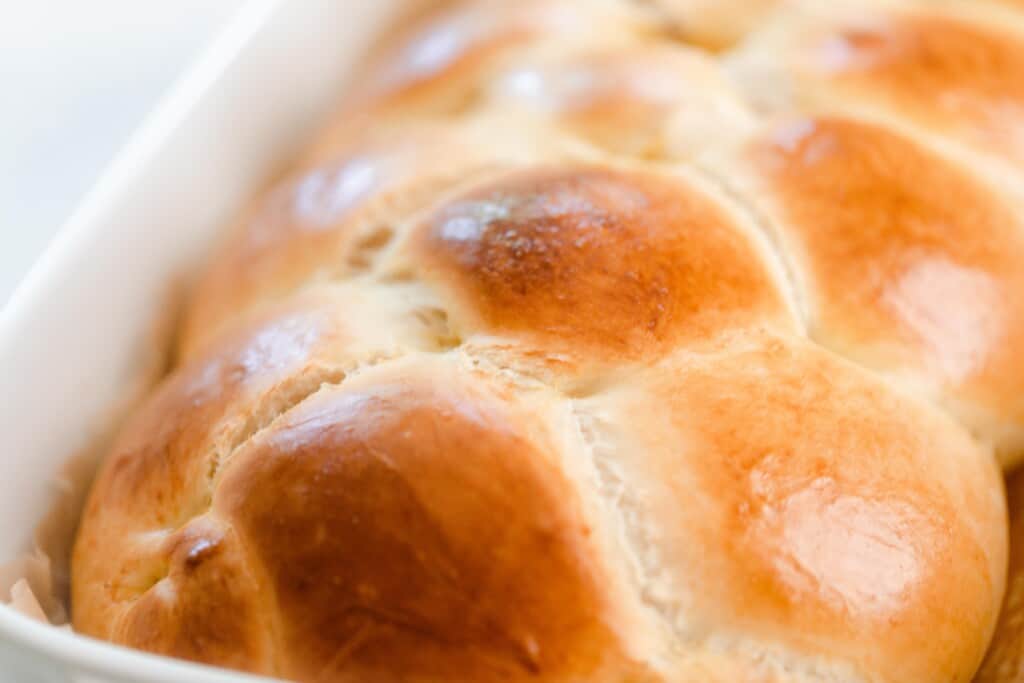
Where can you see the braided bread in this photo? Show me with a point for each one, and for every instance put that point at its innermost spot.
(603, 340)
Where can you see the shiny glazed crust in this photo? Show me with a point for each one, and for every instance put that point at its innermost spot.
(568, 351)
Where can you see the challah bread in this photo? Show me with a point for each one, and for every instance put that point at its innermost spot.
(559, 357)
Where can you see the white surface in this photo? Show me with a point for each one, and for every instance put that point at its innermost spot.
(76, 78)
(72, 337)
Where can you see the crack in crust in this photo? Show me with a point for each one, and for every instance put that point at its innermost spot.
(796, 290)
(616, 495)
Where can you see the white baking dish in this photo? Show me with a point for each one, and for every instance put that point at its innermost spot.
(77, 336)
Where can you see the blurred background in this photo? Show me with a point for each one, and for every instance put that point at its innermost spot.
(76, 78)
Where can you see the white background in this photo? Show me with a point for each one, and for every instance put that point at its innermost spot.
(76, 78)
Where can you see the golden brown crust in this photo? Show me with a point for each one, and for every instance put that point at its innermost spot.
(940, 71)
(784, 492)
(159, 475)
(910, 264)
(588, 261)
(438, 64)
(284, 569)
(413, 528)
(332, 219)
(519, 373)
(206, 608)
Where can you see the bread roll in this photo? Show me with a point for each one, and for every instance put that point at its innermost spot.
(564, 352)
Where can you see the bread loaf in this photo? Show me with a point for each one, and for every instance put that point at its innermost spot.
(570, 351)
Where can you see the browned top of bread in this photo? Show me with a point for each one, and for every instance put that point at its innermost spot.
(959, 74)
(565, 354)
(591, 262)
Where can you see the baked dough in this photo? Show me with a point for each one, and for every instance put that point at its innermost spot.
(568, 351)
